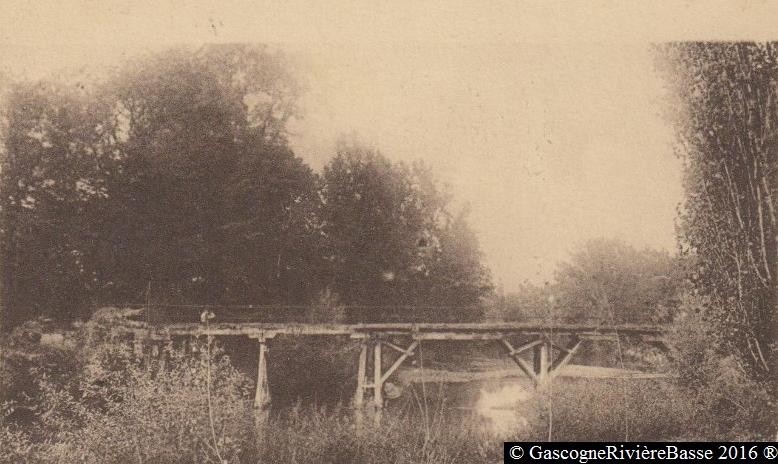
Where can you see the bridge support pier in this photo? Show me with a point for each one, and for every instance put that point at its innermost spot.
(262, 393)
(544, 366)
(371, 343)
(137, 345)
(540, 364)
(359, 395)
(378, 382)
(167, 349)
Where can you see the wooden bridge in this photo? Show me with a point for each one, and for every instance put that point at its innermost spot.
(538, 349)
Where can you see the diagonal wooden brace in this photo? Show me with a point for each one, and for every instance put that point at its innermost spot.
(514, 353)
(399, 349)
(405, 354)
(565, 357)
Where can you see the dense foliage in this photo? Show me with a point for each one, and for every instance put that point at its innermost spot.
(726, 118)
(172, 179)
(726, 124)
(393, 238)
(605, 280)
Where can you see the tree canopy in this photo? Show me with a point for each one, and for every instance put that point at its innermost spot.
(173, 180)
(393, 239)
(608, 281)
(726, 119)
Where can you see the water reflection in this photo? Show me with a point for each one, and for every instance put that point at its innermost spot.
(501, 404)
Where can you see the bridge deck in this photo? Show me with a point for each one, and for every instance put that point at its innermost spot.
(420, 330)
(547, 352)
(133, 320)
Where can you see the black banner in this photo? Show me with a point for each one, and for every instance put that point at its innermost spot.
(583, 452)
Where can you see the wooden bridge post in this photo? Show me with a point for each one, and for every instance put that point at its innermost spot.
(165, 352)
(262, 394)
(540, 354)
(378, 384)
(359, 396)
(137, 345)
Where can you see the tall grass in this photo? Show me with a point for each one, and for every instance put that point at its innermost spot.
(619, 410)
(332, 436)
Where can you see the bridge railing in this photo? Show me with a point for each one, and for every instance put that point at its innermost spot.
(157, 314)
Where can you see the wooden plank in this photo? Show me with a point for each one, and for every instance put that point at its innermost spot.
(403, 357)
(526, 368)
(395, 347)
(167, 349)
(378, 398)
(598, 336)
(137, 346)
(540, 364)
(262, 393)
(536, 357)
(456, 336)
(254, 328)
(560, 348)
(520, 326)
(524, 347)
(359, 397)
(468, 333)
(565, 358)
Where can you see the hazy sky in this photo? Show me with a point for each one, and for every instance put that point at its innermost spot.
(543, 116)
(549, 144)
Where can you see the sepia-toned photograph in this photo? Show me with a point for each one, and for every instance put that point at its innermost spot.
(378, 232)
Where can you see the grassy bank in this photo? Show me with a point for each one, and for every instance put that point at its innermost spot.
(93, 401)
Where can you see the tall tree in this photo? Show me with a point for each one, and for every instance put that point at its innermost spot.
(174, 171)
(203, 173)
(726, 119)
(51, 188)
(393, 240)
(273, 249)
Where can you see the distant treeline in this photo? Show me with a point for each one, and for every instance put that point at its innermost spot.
(606, 281)
(171, 179)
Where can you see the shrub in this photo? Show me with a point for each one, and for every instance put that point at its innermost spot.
(332, 436)
(16, 447)
(736, 406)
(196, 409)
(24, 361)
(618, 410)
